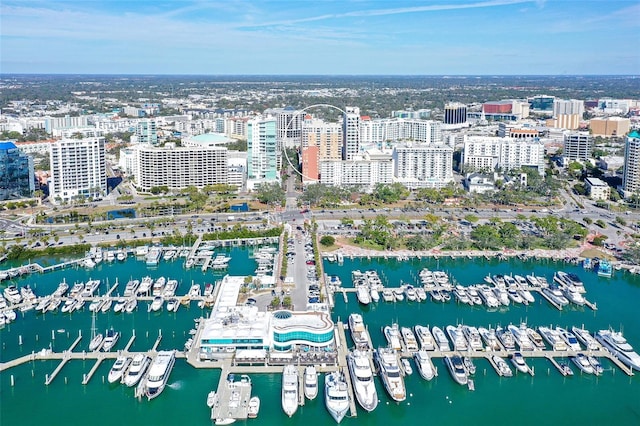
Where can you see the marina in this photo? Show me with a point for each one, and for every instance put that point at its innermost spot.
(372, 314)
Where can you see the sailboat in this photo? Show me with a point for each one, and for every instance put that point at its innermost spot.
(96, 339)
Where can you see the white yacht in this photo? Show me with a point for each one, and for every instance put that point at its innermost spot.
(96, 341)
(490, 338)
(159, 373)
(501, 366)
(336, 395)
(12, 294)
(582, 362)
(90, 288)
(392, 334)
(359, 332)
(289, 390)
(461, 294)
(62, 289)
(131, 288)
(573, 295)
(362, 379)
(441, 340)
(519, 363)
(553, 339)
(118, 369)
(569, 338)
(423, 362)
(387, 361)
(310, 382)
(555, 294)
(363, 294)
(410, 342)
(618, 345)
(110, 339)
(570, 280)
(585, 338)
(457, 338)
(521, 337)
(456, 369)
(158, 286)
(473, 337)
(536, 339)
(131, 305)
(68, 305)
(170, 288)
(425, 338)
(120, 305)
(145, 286)
(387, 295)
(138, 367)
(506, 338)
(156, 304)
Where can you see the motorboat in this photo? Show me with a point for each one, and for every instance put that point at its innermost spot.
(457, 338)
(120, 305)
(211, 399)
(170, 288)
(519, 363)
(472, 335)
(569, 338)
(131, 305)
(106, 305)
(461, 295)
(195, 290)
(556, 295)
(156, 304)
(410, 342)
(436, 296)
(158, 286)
(392, 334)
(421, 294)
(96, 305)
(131, 288)
(456, 369)
(583, 363)
(96, 341)
(90, 287)
(490, 339)
(138, 367)
(398, 294)
(254, 407)
(110, 339)
(410, 293)
(68, 305)
(615, 342)
(289, 390)
(521, 337)
(336, 395)
(424, 365)
(375, 295)
(441, 340)
(406, 366)
(61, 290)
(363, 294)
(159, 373)
(514, 295)
(145, 286)
(12, 294)
(78, 305)
(53, 305)
(573, 295)
(506, 338)
(425, 338)
(118, 369)
(387, 295)
(565, 369)
(310, 382)
(76, 290)
(43, 304)
(569, 279)
(536, 339)
(386, 360)
(474, 296)
(595, 363)
(585, 338)
(359, 332)
(553, 339)
(469, 365)
(501, 366)
(502, 295)
(488, 297)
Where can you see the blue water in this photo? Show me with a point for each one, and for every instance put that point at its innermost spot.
(547, 398)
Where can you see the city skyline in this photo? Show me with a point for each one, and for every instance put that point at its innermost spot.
(501, 37)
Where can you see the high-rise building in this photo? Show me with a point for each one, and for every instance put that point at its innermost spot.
(631, 176)
(262, 152)
(489, 153)
(455, 113)
(541, 104)
(289, 128)
(423, 165)
(66, 122)
(577, 146)
(351, 133)
(78, 169)
(610, 126)
(363, 171)
(320, 141)
(180, 167)
(146, 132)
(567, 114)
(16, 172)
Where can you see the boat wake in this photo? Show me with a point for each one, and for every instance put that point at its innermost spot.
(176, 386)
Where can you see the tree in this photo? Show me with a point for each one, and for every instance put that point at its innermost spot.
(270, 193)
(327, 240)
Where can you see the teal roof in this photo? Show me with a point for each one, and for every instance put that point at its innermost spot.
(635, 134)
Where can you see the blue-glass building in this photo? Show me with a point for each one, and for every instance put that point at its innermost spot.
(16, 172)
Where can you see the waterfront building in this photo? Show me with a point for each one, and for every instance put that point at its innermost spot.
(78, 169)
(423, 165)
(610, 126)
(364, 171)
(631, 176)
(490, 153)
(233, 328)
(16, 172)
(597, 189)
(455, 113)
(262, 152)
(577, 146)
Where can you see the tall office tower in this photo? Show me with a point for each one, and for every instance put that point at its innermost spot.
(16, 172)
(146, 132)
(577, 146)
(455, 113)
(351, 133)
(262, 153)
(289, 128)
(78, 169)
(631, 176)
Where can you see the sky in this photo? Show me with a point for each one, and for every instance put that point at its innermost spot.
(352, 37)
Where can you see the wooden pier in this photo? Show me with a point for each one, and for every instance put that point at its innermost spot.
(66, 357)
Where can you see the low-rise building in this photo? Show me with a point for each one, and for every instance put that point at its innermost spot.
(597, 189)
